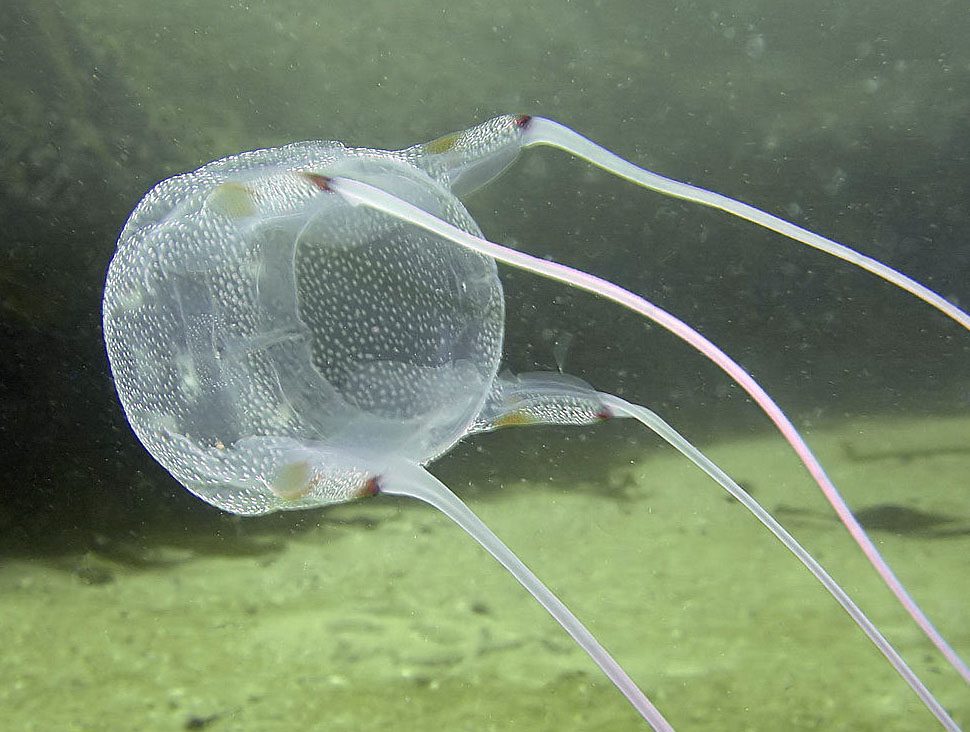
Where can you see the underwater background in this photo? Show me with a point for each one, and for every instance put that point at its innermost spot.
(126, 603)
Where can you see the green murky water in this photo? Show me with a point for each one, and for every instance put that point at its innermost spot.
(127, 605)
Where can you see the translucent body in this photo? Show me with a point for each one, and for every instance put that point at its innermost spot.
(267, 341)
(305, 325)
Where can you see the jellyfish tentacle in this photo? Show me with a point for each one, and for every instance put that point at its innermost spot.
(407, 479)
(552, 398)
(469, 159)
(541, 131)
(648, 418)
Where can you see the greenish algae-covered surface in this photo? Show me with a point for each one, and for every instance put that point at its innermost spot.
(382, 615)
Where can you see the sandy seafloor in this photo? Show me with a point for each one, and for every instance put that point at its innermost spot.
(381, 615)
